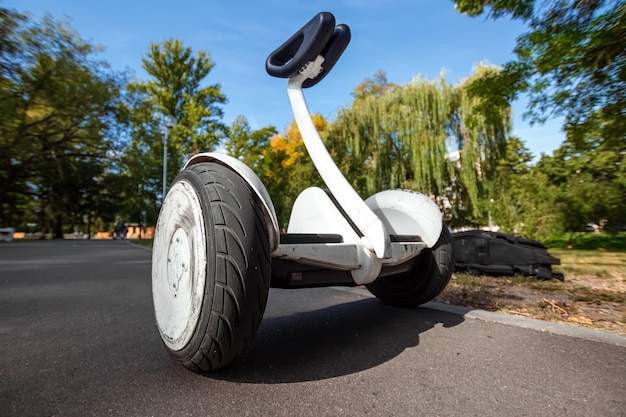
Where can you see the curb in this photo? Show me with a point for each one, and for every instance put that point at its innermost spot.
(512, 320)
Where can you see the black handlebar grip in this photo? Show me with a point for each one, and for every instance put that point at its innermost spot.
(331, 53)
(304, 46)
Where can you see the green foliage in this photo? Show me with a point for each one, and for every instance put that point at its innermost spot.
(248, 145)
(58, 111)
(176, 88)
(521, 9)
(571, 62)
(140, 162)
(588, 182)
(288, 169)
(400, 136)
(280, 161)
(563, 193)
(507, 192)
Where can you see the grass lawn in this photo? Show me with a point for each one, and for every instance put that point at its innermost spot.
(590, 241)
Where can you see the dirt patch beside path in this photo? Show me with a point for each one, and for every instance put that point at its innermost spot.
(585, 300)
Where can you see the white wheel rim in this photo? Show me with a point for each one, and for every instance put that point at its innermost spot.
(179, 258)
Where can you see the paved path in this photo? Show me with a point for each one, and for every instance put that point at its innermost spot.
(77, 338)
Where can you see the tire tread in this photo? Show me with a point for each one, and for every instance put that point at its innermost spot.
(240, 296)
(428, 278)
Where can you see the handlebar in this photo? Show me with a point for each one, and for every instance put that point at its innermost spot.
(319, 36)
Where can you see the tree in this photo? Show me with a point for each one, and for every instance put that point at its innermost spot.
(401, 136)
(517, 199)
(249, 145)
(59, 104)
(589, 180)
(375, 86)
(501, 192)
(571, 62)
(288, 168)
(176, 88)
(140, 162)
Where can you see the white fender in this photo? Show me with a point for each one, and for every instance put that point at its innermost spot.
(405, 212)
(314, 212)
(255, 184)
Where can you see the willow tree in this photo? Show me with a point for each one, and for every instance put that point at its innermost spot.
(403, 136)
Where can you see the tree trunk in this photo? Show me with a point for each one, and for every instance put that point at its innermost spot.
(89, 225)
(58, 227)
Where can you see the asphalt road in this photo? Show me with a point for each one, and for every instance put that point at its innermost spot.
(78, 338)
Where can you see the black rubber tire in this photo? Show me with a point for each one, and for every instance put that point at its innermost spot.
(237, 268)
(429, 276)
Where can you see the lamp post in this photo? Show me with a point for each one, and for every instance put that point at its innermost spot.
(166, 127)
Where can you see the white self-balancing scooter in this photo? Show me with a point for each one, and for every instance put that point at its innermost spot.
(218, 248)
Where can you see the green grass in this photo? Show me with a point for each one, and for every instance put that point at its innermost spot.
(597, 263)
(590, 241)
(143, 242)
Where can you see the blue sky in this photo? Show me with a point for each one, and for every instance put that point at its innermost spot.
(405, 38)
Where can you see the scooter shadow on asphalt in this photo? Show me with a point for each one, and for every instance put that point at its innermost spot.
(333, 341)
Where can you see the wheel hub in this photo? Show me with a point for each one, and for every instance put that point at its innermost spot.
(179, 265)
(178, 260)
